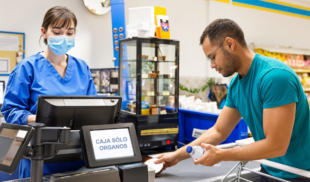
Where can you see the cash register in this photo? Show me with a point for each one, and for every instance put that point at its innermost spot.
(84, 128)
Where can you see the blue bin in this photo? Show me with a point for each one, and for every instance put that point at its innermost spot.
(8, 177)
(188, 120)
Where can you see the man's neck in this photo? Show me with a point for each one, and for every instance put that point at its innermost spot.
(246, 58)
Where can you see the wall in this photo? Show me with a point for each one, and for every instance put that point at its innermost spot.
(186, 25)
(187, 22)
(93, 38)
(263, 27)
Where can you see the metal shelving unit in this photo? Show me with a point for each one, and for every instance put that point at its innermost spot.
(149, 82)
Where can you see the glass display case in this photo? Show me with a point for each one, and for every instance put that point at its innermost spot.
(149, 82)
(105, 80)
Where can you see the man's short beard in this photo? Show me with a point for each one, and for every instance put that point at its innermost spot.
(231, 63)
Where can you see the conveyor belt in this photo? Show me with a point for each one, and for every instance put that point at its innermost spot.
(187, 171)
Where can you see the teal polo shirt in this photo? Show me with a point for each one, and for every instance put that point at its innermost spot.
(270, 83)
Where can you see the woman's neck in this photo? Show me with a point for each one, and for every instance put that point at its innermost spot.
(53, 58)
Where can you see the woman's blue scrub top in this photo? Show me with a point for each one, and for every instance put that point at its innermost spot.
(36, 76)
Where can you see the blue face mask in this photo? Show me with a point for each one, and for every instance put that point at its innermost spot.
(60, 45)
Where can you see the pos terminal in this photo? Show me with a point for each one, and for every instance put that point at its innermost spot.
(109, 150)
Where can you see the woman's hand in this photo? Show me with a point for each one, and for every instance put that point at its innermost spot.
(31, 119)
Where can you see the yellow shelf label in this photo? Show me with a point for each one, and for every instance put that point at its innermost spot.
(160, 131)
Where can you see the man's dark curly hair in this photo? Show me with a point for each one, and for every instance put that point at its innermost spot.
(219, 29)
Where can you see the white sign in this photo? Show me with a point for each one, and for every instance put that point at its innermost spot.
(9, 43)
(21, 134)
(4, 65)
(197, 132)
(112, 143)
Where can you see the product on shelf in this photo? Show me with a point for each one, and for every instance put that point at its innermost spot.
(171, 101)
(153, 109)
(166, 93)
(305, 82)
(150, 93)
(131, 107)
(308, 97)
(153, 75)
(163, 112)
(144, 92)
(145, 105)
(144, 76)
(161, 58)
(145, 57)
(145, 111)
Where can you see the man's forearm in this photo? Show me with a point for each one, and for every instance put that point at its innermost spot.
(210, 136)
(262, 149)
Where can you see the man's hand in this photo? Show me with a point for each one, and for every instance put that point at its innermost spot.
(168, 159)
(210, 157)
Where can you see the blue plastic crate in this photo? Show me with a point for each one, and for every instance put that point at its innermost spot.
(188, 120)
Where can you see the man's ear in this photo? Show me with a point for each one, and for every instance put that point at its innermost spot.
(230, 43)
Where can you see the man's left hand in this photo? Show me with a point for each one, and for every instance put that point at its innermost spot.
(210, 157)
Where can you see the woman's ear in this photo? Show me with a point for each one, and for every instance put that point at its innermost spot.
(44, 33)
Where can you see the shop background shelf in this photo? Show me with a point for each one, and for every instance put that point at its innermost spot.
(301, 70)
(296, 58)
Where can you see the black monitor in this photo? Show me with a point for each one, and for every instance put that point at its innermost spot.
(14, 140)
(77, 111)
(105, 145)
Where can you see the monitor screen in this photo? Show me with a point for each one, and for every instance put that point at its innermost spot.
(10, 140)
(14, 140)
(111, 143)
(77, 111)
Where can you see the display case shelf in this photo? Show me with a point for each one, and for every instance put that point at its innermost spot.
(151, 78)
(143, 60)
(149, 95)
(150, 103)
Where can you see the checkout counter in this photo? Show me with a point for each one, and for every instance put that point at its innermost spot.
(110, 151)
(62, 132)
